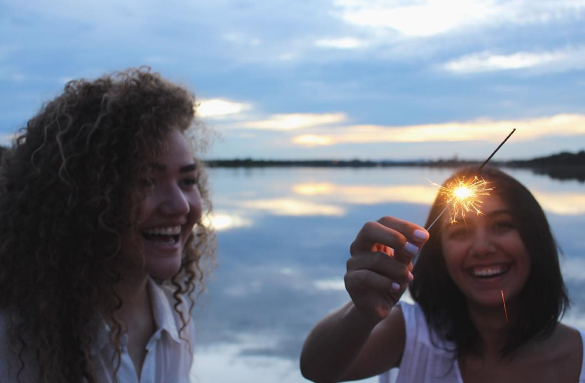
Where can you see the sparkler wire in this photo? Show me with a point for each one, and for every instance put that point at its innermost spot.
(479, 169)
(494, 152)
(476, 174)
(439, 216)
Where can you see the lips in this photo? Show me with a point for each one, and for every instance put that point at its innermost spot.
(489, 271)
(168, 235)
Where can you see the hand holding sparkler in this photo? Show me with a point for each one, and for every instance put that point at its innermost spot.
(378, 271)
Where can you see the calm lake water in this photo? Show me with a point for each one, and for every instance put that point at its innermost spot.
(284, 236)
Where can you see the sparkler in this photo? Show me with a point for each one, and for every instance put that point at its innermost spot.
(504, 302)
(462, 195)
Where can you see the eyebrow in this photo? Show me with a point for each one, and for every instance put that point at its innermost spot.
(499, 212)
(183, 169)
(490, 214)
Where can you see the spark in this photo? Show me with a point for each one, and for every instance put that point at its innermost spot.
(462, 196)
(504, 302)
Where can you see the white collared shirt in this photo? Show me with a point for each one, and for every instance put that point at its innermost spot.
(169, 356)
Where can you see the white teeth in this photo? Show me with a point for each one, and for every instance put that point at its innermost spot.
(173, 230)
(488, 271)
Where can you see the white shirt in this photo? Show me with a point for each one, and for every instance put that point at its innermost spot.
(169, 358)
(426, 361)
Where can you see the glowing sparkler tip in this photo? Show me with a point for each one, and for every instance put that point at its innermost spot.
(462, 192)
(464, 196)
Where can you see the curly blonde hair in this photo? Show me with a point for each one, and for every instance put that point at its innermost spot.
(66, 193)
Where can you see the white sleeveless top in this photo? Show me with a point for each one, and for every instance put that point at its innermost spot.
(430, 361)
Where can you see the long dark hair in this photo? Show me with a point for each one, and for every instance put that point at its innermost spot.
(543, 299)
(66, 194)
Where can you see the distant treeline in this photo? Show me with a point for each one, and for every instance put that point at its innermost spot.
(562, 166)
(564, 159)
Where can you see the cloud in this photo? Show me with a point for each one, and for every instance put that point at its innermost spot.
(311, 140)
(330, 284)
(296, 121)
(553, 61)
(11, 74)
(479, 130)
(421, 18)
(241, 39)
(218, 108)
(431, 17)
(341, 43)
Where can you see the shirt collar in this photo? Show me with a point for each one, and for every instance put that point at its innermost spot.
(165, 318)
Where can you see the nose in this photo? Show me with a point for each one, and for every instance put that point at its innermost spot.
(482, 244)
(174, 201)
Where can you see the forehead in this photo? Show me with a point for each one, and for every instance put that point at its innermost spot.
(176, 150)
(488, 205)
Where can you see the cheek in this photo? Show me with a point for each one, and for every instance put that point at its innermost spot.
(453, 256)
(146, 206)
(195, 205)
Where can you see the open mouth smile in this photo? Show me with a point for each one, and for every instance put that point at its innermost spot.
(487, 272)
(165, 235)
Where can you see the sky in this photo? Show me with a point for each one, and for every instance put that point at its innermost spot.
(341, 79)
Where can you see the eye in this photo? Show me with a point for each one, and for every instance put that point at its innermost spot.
(456, 231)
(189, 182)
(504, 225)
(460, 232)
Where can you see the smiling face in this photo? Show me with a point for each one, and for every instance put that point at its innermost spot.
(169, 209)
(485, 254)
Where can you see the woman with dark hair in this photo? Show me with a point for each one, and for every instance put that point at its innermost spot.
(104, 240)
(456, 330)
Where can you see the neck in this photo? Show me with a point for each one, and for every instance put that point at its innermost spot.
(492, 328)
(133, 292)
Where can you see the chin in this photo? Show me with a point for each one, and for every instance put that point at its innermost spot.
(163, 269)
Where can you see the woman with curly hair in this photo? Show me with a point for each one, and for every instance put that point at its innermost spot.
(456, 331)
(103, 235)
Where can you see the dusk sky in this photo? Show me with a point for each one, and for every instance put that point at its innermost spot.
(342, 79)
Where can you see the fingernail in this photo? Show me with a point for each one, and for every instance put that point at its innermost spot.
(410, 277)
(409, 247)
(395, 286)
(421, 235)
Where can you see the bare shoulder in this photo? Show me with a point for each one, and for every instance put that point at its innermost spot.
(568, 343)
(565, 342)
(563, 353)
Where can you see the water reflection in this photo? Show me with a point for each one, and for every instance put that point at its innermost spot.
(291, 206)
(369, 194)
(226, 221)
(561, 202)
(283, 243)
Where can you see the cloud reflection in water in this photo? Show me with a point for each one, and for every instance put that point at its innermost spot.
(283, 243)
